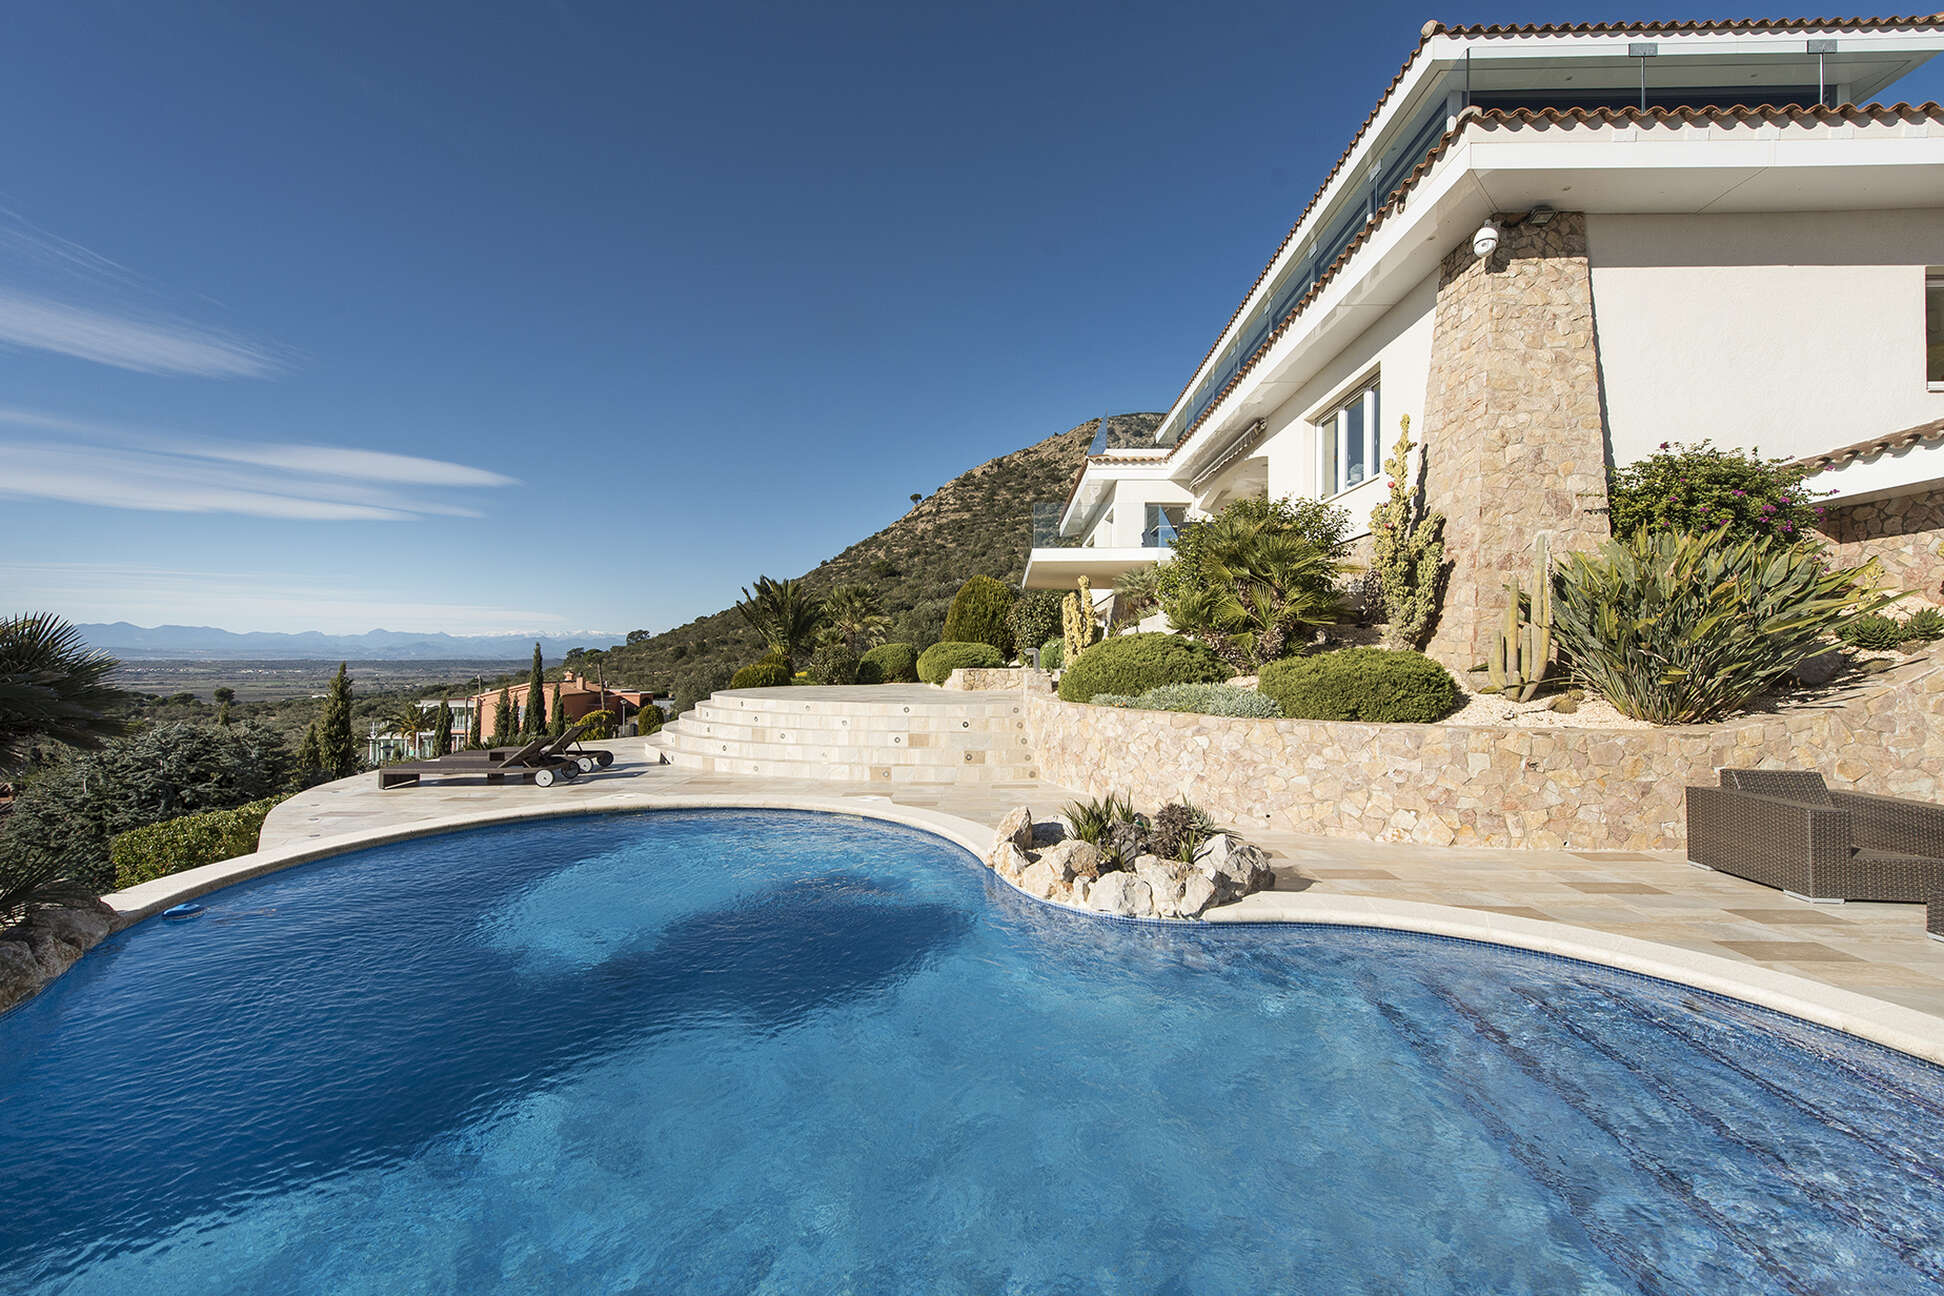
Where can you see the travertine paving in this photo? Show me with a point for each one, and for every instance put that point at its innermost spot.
(1878, 950)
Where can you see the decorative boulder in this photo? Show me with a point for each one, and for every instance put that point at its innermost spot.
(1235, 867)
(1008, 861)
(20, 973)
(1017, 827)
(1122, 895)
(1073, 858)
(1039, 879)
(82, 928)
(1820, 669)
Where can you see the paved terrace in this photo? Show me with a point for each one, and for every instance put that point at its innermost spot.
(1878, 950)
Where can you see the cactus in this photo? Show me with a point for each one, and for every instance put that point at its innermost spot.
(1522, 650)
(1077, 621)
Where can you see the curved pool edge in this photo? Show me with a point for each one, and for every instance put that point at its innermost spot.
(1906, 1030)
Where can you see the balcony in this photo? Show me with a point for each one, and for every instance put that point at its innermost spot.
(1058, 560)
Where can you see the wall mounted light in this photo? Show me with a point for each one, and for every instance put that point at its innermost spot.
(1541, 215)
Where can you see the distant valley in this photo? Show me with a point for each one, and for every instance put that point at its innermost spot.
(207, 643)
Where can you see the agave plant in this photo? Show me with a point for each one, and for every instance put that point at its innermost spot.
(1676, 628)
(53, 688)
(784, 614)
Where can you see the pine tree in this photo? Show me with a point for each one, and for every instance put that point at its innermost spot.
(503, 718)
(559, 725)
(442, 731)
(337, 746)
(223, 696)
(536, 716)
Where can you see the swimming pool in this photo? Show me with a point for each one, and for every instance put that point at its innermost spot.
(734, 1051)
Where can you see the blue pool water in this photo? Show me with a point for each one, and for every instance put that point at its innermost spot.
(787, 1053)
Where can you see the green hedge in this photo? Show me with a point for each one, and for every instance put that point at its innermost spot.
(1375, 685)
(978, 615)
(1135, 663)
(936, 663)
(186, 842)
(762, 674)
(1052, 653)
(889, 663)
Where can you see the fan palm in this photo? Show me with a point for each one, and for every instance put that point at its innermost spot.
(1260, 590)
(784, 614)
(853, 617)
(1136, 593)
(53, 688)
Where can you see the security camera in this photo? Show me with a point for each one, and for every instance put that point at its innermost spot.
(1485, 242)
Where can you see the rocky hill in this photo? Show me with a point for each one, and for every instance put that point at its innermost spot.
(980, 522)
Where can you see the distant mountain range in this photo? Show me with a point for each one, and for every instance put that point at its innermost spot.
(173, 642)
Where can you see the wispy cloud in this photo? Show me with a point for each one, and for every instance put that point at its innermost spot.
(161, 347)
(123, 468)
(253, 600)
(61, 297)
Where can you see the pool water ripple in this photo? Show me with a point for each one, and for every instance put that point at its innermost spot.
(741, 1051)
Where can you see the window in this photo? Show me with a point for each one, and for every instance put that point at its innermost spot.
(1163, 525)
(1934, 331)
(1348, 446)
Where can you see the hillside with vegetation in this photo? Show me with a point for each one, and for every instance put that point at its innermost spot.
(979, 523)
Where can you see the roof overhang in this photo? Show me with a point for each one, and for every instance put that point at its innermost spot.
(1881, 467)
(1060, 568)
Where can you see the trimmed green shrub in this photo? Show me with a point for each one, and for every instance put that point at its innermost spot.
(1052, 654)
(1033, 619)
(649, 719)
(1208, 699)
(833, 663)
(936, 663)
(1138, 662)
(767, 673)
(1679, 629)
(978, 615)
(889, 663)
(1875, 632)
(186, 842)
(1374, 685)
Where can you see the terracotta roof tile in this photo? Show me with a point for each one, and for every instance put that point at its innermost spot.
(1931, 431)
(1693, 27)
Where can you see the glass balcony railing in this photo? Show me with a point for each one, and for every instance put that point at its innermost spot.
(1046, 526)
(1161, 536)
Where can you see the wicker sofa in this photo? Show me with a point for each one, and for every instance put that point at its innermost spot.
(1787, 829)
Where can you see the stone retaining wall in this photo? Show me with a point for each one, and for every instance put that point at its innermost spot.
(1586, 789)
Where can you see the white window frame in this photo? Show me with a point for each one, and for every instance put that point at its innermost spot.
(1933, 283)
(1333, 439)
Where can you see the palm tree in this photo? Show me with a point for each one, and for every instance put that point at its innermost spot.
(409, 720)
(1137, 592)
(53, 688)
(1260, 589)
(784, 614)
(854, 617)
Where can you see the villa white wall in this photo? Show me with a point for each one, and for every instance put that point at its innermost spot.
(1397, 350)
(1796, 332)
(1131, 498)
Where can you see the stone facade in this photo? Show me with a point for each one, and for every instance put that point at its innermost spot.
(1514, 426)
(1584, 789)
(975, 679)
(1904, 533)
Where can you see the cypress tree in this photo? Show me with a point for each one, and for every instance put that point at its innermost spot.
(310, 754)
(559, 725)
(503, 718)
(442, 732)
(337, 746)
(474, 719)
(536, 716)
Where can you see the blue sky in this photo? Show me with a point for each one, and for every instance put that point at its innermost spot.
(575, 316)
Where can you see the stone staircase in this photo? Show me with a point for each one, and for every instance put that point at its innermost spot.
(890, 734)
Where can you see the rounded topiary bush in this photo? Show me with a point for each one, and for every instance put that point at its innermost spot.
(1135, 663)
(936, 663)
(1052, 654)
(1376, 685)
(978, 615)
(834, 663)
(762, 674)
(889, 663)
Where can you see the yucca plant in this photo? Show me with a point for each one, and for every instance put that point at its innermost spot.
(1677, 628)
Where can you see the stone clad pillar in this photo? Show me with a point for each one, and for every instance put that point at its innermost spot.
(1514, 424)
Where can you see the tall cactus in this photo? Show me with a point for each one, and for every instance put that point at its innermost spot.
(1522, 650)
(1077, 621)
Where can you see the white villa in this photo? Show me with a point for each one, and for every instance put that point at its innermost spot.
(1555, 248)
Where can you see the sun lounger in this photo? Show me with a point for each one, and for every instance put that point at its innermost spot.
(528, 762)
